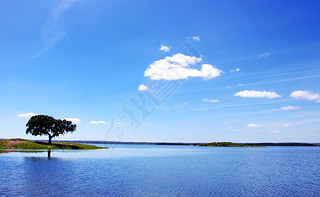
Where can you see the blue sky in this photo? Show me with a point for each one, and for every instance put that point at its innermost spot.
(253, 74)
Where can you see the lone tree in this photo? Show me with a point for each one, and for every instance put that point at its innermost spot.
(47, 125)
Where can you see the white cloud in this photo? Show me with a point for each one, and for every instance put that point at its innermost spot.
(285, 108)
(74, 120)
(178, 67)
(285, 124)
(143, 88)
(274, 131)
(210, 100)
(257, 94)
(233, 129)
(253, 125)
(196, 38)
(98, 122)
(165, 48)
(264, 55)
(305, 94)
(26, 115)
(235, 70)
(290, 107)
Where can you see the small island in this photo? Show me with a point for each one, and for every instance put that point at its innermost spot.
(229, 144)
(46, 125)
(26, 144)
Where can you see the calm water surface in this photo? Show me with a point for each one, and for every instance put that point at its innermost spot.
(137, 170)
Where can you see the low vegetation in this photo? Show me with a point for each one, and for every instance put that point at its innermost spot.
(228, 144)
(26, 144)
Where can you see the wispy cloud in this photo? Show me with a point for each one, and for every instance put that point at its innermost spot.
(210, 100)
(235, 70)
(307, 95)
(196, 38)
(290, 107)
(143, 88)
(257, 94)
(285, 108)
(74, 120)
(238, 105)
(98, 122)
(286, 76)
(26, 115)
(49, 44)
(165, 48)
(118, 124)
(178, 67)
(253, 125)
(51, 32)
(264, 55)
(283, 80)
(285, 124)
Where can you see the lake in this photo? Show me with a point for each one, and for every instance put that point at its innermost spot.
(148, 170)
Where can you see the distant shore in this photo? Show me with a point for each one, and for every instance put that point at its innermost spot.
(82, 144)
(228, 144)
(194, 144)
(189, 144)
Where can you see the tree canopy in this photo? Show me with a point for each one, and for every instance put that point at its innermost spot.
(47, 125)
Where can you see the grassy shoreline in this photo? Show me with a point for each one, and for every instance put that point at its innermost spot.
(27, 144)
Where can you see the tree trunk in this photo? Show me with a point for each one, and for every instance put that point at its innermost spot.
(50, 137)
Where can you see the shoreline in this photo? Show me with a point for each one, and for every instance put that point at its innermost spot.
(174, 143)
(12, 144)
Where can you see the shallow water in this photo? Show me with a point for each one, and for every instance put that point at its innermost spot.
(146, 170)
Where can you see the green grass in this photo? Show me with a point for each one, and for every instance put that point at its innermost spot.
(26, 144)
(227, 144)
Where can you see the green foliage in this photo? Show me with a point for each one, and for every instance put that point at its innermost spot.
(226, 144)
(24, 144)
(47, 125)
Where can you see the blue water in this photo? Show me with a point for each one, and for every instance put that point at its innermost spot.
(136, 170)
